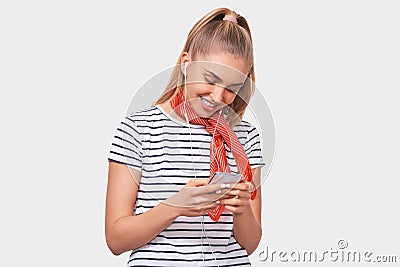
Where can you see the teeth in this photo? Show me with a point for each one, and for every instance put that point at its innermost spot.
(207, 103)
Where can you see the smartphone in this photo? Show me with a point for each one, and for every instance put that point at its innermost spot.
(225, 178)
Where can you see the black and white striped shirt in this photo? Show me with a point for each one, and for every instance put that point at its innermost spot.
(169, 153)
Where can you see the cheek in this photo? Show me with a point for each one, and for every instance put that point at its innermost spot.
(229, 97)
(195, 89)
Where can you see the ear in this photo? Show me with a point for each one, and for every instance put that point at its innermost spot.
(184, 59)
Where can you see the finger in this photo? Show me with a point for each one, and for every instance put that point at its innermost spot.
(225, 196)
(197, 182)
(206, 208)
(234, 202)
(210, 188)
(187, 198)
(245, 186)
(222, 192)
(206, 198)
(234, 209)
(239, 193)
(248, 186)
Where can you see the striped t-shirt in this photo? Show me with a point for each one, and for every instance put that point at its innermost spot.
(169, 153)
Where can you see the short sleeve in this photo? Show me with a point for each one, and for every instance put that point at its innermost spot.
(253, 148)
(126, 147)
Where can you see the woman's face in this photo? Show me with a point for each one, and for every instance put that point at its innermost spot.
(214, 81)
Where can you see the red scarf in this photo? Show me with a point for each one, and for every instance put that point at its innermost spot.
(220, 132)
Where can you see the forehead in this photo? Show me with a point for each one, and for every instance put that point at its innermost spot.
(225, 66)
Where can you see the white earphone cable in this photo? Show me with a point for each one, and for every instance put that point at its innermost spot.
(194, 168)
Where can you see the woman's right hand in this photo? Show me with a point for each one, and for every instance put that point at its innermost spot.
(197, 197)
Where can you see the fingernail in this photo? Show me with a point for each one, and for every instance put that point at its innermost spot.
(225, 186)
(218, 202)
(218, 191)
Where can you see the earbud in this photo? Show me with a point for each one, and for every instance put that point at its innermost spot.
(185, 69)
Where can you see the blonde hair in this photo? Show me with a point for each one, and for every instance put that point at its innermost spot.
(212, 33)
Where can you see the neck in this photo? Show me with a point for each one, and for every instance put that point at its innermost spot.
(167, 108)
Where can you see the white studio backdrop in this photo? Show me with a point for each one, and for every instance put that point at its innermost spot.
(328, 69)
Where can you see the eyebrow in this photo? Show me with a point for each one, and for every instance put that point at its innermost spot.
(220, 80)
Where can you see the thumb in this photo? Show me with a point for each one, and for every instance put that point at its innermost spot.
(197, 182)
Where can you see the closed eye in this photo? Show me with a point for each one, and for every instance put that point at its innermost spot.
(234, 89)
(210, 82)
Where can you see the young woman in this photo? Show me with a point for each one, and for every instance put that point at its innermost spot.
(160, 203)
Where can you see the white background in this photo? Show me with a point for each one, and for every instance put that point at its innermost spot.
(68, 71)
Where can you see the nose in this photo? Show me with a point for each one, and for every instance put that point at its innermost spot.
(218, 94)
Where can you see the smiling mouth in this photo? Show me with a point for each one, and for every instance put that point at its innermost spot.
(208, 103)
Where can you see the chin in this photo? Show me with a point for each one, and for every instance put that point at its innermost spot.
(202, 113)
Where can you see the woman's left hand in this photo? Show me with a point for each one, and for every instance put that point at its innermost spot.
(237, 198)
